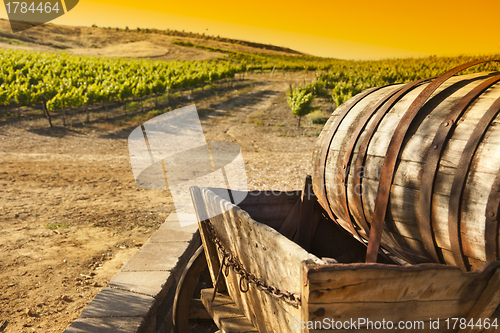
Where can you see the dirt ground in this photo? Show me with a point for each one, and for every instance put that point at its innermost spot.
(71, 214)
(109, 42)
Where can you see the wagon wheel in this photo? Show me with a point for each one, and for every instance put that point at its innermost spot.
(185, 306)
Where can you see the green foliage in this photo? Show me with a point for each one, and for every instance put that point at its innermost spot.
(317, 117)
(72, 81)
(343, 91)
(54, 226)
(154, 113)
(349, 77)
(300, 100)
(64, 80)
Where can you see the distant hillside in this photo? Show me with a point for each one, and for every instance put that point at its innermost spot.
(137, 43)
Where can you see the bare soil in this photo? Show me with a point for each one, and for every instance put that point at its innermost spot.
(109, 42)
(71, 213)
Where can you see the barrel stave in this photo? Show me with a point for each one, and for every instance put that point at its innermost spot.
(401, 231)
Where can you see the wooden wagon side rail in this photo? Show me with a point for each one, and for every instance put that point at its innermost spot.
(421, 293)
(255, 246)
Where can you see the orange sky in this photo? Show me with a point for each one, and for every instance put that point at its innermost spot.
(344, 29)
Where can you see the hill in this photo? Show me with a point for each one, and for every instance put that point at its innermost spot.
(115, 42)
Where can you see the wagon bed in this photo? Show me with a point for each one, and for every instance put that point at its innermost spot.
(329, 292)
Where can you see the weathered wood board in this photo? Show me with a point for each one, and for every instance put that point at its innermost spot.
(226, 314)
(421, 293)
(264, 252)
(337, 292)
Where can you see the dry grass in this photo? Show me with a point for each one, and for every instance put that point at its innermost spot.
(95, 41)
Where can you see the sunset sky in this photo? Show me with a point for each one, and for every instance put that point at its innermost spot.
(344, 29)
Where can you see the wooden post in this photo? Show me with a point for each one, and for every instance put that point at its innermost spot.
(308, 216)
(210, 249)
(64, 109)
(301, 223)
(87, 104)
(106, 109)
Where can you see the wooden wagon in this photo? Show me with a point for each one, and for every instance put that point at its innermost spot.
(285, 262)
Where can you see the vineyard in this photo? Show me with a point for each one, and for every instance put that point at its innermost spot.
(67, 81)
(60, 81)
(346, 78)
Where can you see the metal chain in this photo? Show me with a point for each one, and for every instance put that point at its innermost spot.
(247, 278)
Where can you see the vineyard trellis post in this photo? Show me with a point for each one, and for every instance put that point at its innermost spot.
(63, 107)
(45, 110)
(272, 72)
(87, 103)
(87, 99)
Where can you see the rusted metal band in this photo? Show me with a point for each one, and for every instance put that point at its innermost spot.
(393, 151)
(323, 194)
(363, 148)
(458, 186)
(431, 166)
(343, 174)
(491, 227)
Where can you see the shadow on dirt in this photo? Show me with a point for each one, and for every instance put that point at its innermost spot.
(55, 131)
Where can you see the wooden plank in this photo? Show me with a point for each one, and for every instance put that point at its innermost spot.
(308, 216)
(380, 292)
(225, 313)
(317, 325)
(289, 227)
(409, 172)
(365, 283)
(268, 207)
(391, 311)
(441, 328)
(487, 302)
(237, 325)
(495, 318)
(358, 112)
(265, 253)
(403, 218)
(209, 246)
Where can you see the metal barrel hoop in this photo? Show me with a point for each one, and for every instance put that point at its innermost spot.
(431, 166)
(344, 173)
(393, 152)
(322, 193)
(363, 148)
(492, 221)
(460, 180)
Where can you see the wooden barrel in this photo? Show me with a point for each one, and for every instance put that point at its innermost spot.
(414, 168)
